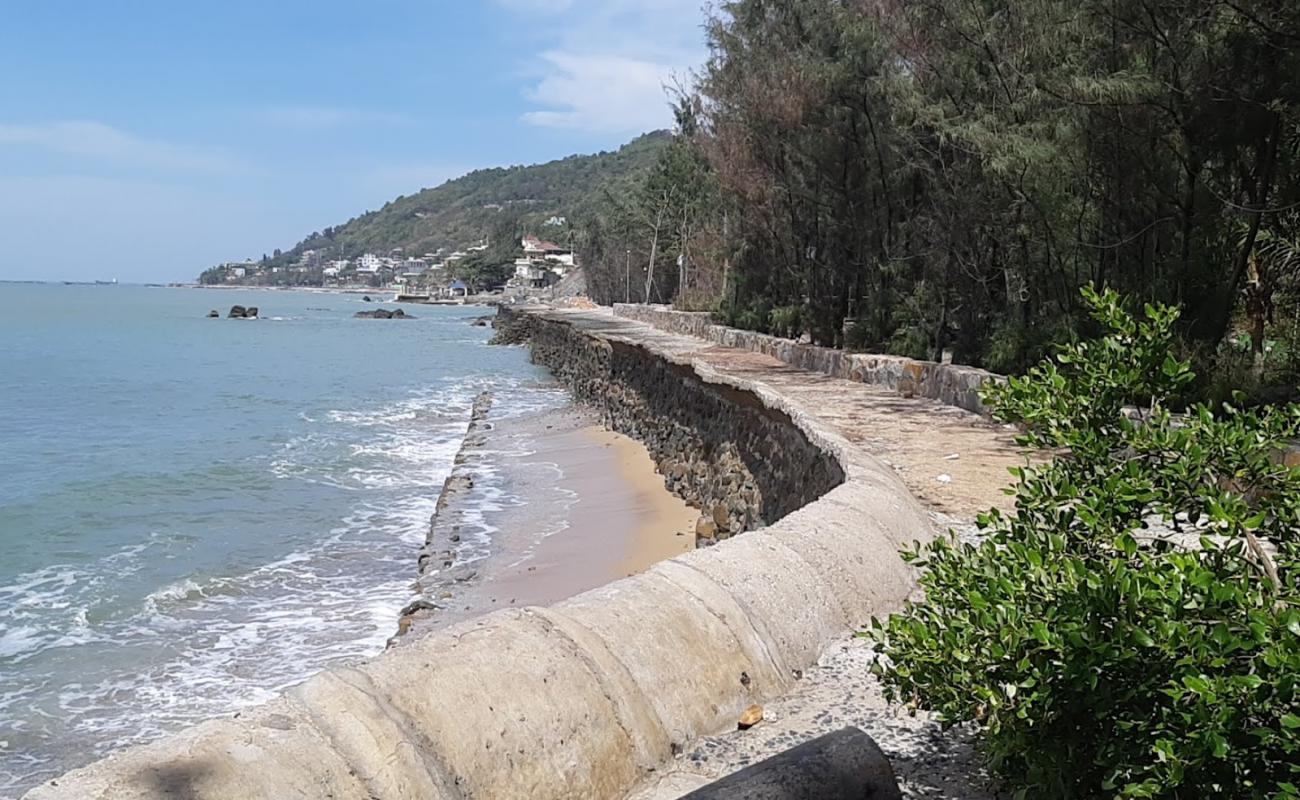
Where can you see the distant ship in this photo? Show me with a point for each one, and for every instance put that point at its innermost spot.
(106, 283)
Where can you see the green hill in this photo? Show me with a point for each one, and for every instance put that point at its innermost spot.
(485, 203)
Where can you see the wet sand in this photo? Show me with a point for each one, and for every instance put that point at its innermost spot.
(587, 507)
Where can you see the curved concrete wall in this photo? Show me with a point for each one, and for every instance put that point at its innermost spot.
(580, 700)
(950, 384)
(741, 462)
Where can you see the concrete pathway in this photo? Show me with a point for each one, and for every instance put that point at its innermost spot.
(955, 462)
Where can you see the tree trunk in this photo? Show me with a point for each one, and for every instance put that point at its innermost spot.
(654, 254)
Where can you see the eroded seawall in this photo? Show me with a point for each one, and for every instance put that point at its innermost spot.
(588, 697)
(742, 462)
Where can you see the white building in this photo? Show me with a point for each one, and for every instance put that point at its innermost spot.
(547, 255)
(370, 263)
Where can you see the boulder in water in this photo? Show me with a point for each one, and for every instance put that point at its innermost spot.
(214, 314)
(384, 314)
(237, 312)
(250, 312)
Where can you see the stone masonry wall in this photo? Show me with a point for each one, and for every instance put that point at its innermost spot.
(743, 464)
(951, 384)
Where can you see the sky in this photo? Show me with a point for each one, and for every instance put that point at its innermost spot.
(145, 140)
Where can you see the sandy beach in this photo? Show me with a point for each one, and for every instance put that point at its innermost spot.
(577, 506)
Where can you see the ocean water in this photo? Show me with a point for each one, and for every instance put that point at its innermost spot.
(198, 513)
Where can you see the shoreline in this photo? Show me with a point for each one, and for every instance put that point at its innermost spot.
(540, 508)
(598, 693)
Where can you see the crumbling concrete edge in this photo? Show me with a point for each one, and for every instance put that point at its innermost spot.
(584, 699)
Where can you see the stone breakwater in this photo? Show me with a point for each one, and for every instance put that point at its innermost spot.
(743, 463)
(585, 698)
(950, 384)
(439, 565)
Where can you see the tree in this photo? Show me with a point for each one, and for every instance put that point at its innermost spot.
(947, 175)
(1132, 629)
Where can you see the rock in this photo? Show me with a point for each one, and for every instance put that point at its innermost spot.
(420, 605)
(722, 517)
(214, 314)
(752, 716)
(237, 312)
(250, 312)
(383, 313)
(705, 528)
(840, 765)
(366, 299)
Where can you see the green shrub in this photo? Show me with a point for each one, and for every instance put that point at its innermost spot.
(786, 322)
(751, 316)
(858, 337)
(1132, 630)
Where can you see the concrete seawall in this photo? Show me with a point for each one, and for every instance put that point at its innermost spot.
(587, 698)
(950, 384)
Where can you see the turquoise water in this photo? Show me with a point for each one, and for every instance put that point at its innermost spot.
(197, 513)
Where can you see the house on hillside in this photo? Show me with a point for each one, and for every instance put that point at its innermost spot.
(552, 256)
(533, 274)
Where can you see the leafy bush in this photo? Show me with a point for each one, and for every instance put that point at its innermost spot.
(1133, 629)
(786, 322)
(858, 337)
(752, 316)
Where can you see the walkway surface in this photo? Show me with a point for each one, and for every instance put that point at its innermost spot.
(954, 461)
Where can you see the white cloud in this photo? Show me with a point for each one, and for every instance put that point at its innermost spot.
(605, 94)
(106, 144)
(605, 63)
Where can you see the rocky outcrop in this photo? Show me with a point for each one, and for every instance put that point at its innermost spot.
(240, 312)
(383, 313)
(742, 463)
(950, 384)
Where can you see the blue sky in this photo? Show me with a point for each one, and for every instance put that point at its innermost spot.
(148, 139)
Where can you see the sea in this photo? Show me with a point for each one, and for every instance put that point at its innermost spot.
(197, 513)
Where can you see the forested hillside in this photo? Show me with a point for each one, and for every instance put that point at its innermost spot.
(927, 176)
(485, 203)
